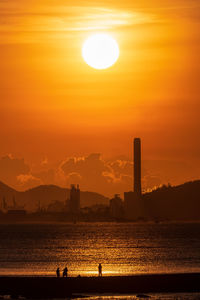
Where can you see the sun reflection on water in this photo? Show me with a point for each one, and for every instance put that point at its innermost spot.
(122, 249)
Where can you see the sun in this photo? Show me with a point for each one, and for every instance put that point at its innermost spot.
(100, 51)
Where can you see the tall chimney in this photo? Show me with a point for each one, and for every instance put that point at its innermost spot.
(137, 166)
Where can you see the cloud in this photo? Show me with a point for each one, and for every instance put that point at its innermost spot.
(11, 167)
(74, 177)
(89, 170)
(46, 176)
(93, 173)
(116, 175)
(27, 181)
(96, 174)
(35, 22)
(17, 173)
(44, 161)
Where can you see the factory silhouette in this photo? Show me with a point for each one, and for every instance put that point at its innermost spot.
(132, 207)
(164, 203)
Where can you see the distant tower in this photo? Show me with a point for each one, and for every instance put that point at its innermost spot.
(137, 166)
(74, 200)
(133, 200)
(4, 204)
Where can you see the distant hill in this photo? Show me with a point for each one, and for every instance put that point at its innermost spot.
(5, 188)
(46, 194)
(180, 202)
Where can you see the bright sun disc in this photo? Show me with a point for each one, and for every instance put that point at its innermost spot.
(100, 51)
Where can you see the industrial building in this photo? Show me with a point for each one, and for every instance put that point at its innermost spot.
(116, 207)
(133, 203)
(137, 166)
(14, 211)
(74, 200)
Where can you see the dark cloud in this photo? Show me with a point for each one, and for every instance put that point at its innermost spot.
(46, 176)
(10, 168)
(89, 171)
(116, 176)
(94, 173)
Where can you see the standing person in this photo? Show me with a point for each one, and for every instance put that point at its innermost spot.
(65, 272)
(100, 270)
(58, 272)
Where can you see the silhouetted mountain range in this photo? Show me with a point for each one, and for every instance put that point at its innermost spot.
(46, 194)
(180, 202)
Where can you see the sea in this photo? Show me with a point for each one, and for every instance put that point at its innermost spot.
(121, 248)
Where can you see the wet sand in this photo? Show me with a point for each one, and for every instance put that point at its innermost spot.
(52, 287)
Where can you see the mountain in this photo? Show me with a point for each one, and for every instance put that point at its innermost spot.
(180, 202)
(46, 194)
(5, 188)
(7, 193)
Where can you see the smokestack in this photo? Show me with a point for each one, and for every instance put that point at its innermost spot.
(137, 166)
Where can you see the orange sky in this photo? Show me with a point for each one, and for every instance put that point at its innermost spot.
(54, 106)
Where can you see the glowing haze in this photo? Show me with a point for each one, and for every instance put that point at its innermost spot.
(55, 110)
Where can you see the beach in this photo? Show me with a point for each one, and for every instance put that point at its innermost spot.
(136, 259)
(52, 287)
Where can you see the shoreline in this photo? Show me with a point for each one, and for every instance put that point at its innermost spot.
(52, 275)
(51, 287)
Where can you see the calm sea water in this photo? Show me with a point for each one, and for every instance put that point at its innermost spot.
(178, 296)
(123, 249)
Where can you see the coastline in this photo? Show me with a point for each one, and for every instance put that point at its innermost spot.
(51, 287)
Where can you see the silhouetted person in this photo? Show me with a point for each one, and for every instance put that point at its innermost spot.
(65, 272)
(58, 272)
(100, 270)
